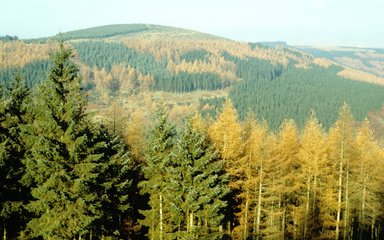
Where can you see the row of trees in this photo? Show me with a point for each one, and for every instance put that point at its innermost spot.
(65, 177)
(188, 82)
(301, 185)
(283, 184)
(34, 73)
(8, 38)
(18, 53)
(186, 184)
(177, 46)
(102, 31)
(106, 54)
(62, 176)
(274, 93)
(165, 77)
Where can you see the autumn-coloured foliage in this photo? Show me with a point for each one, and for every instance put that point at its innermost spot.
(204, 178)
(18, 53)
(82, 156)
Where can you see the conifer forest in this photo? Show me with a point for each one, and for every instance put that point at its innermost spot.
(238, 171)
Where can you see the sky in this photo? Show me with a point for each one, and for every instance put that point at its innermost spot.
(358, 23)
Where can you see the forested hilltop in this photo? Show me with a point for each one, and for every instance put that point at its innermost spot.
(65, 174)
(134, 66)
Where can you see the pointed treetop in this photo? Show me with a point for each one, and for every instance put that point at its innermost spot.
(344, 123)
(198, 122)
(312, 120)
(345, 113)
(228, 112)
(226, 133)
(18, 93)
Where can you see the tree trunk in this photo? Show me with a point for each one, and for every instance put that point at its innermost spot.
(258, 214)
(161, 217)
(153, 227)
(373, 229)
(271, 216)
(191, 225)
(296, 230)
(362, 211)
(283, 222)
(245, 233)
(346, 211)
(307, 208)
(314, 200)
(187, 218)
(280, 210)
(249, 177)
(4, 232)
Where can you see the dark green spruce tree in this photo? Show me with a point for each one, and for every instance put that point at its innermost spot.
(70, 166)
(112, 184)
(3, 160)
(157, 172)
(13, 194)
(199, 186)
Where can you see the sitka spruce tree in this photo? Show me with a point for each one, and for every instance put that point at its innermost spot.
(74, 169)
(13, 195)
(186, 184)
(157, 173)
(198, 185)
(111, 183)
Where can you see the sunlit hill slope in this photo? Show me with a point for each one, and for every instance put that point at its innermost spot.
(137, 66)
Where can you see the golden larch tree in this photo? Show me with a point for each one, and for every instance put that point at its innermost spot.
(312, 156)
(287, 178)
(136, 132)
(247, 180)
(226, 135)
(367, 166)
(341, 151)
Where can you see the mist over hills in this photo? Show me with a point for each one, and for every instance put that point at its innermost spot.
(138, 65)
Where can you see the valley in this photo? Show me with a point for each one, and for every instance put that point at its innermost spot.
(138, 131)
(140, 64)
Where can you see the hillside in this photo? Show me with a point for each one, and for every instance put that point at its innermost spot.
(358, 61)
(123, 30)
(139, 65)
(66, 176)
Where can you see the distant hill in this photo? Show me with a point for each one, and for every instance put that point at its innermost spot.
(119, 30)
(139, 65)
(370, 60)
(103, 31)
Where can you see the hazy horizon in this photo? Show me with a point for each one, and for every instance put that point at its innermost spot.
(297, 22)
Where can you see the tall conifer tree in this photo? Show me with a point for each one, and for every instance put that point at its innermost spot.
(312, 158)
(288, 176)
(226, 136)
(13, 117)
(367, 181)
(68, 162)
(158, 162)
(199, 184)
(110, 179)
(341, 151)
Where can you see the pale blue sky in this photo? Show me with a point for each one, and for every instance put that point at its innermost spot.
(299, 22)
